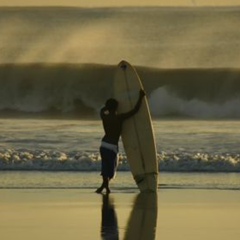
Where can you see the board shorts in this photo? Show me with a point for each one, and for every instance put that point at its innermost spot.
(109, 156)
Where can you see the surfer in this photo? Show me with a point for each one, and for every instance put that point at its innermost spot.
(112, 124)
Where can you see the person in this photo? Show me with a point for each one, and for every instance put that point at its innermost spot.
(112, 124)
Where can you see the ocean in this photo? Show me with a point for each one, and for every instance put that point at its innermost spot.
(56, 70)
(65, 154)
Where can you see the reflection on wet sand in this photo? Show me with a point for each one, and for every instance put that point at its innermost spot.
(143, 219)
(109, 227)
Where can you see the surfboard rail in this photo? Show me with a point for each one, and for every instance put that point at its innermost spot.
(137, 133)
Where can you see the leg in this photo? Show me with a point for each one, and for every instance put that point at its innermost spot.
(108, 164)
(105, 184)
(103, 171)
(112, 162)
(99, 190)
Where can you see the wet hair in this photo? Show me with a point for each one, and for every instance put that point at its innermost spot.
(111, 104)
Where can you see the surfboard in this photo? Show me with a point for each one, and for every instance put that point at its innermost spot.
(137, 132)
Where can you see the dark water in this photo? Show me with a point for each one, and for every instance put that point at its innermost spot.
(80, 90)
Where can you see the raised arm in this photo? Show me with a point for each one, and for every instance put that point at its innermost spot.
(136, 107)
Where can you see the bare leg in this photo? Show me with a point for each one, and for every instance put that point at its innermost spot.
(99, 190)
(105, 184)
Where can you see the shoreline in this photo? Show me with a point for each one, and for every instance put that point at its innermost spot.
(79, 213)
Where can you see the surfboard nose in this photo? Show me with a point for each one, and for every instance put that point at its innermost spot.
(123, 65)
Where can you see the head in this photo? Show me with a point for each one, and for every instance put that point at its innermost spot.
(111, 104)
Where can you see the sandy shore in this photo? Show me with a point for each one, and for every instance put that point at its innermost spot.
(82, 214)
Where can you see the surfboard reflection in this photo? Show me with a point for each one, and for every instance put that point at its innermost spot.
(143, 219)
(109, 226)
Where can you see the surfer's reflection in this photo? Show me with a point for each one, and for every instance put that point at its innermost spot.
(109, 228)
(143, 219)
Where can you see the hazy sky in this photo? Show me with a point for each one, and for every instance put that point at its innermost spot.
(103, 3)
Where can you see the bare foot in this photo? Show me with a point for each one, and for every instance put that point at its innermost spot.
(99, 190)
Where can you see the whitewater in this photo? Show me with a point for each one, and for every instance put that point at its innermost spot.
(73, 145)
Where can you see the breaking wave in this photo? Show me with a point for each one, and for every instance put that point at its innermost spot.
(195, 52)
(80, 90)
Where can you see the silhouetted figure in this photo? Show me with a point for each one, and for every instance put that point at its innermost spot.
(112, 124)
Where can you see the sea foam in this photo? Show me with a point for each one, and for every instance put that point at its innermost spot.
(23, 159)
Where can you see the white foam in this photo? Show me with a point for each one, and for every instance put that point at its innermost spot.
(23, 159)
(164, 103)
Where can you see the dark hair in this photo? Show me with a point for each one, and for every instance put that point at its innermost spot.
(111, 104)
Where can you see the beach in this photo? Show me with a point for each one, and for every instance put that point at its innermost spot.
(59, 203)
(77, 214)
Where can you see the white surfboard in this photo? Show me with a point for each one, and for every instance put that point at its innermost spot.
(137, 133)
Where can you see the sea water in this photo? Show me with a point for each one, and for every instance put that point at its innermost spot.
(57, 68)
(68, 152)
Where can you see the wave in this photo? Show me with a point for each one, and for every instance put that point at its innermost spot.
(54, 89)
(195, 52)
(24, 159)
(81, 89)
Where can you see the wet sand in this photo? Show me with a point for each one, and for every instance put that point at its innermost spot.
(81, 214)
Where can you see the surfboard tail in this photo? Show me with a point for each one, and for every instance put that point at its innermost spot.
(147, 182)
